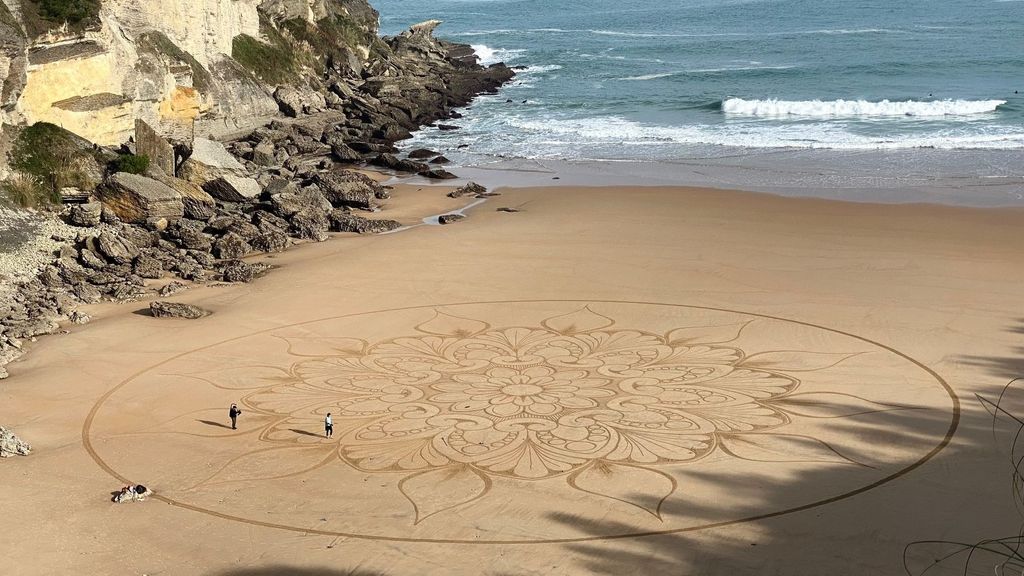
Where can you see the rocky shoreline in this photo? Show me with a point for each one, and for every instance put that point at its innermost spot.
(202, 206)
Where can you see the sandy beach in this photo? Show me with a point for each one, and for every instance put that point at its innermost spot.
(608, 380)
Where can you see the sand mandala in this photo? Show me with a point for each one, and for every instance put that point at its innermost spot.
(524, 422)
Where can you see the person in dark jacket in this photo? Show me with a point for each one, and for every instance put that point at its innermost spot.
(233, 414)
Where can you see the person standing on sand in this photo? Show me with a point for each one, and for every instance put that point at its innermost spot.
(233, 414)
(328, 426)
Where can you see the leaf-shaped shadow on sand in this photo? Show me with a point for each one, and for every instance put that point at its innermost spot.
(270, 464)
(832, 405)
(637, 486)
(246, 377)
(795, 360)
(443, 324)
(434, 491)
(781, 448)
(582, 320)
(718, 334)
(319, 347)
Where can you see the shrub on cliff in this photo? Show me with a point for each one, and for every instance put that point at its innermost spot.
(330, 40)
(273, 61)
(42, 15)
(56, 158)
(132, 164)
(26, 191)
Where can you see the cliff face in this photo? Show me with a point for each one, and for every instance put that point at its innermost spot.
(201, 67)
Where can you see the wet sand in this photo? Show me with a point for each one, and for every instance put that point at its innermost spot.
(610, 380)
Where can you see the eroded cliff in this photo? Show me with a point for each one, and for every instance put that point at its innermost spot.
(208, 67)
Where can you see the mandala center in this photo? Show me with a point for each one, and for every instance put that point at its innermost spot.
(522, 390)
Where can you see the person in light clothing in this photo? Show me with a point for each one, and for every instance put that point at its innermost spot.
(328, 426)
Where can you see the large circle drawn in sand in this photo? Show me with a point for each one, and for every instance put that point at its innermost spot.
(524, 422)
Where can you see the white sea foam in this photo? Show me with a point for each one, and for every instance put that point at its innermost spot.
(484, 32)
(857, 108)
(648, 77)
(540, 69)
(822, 31)
(566, 137)
(737, 69)
(490, 55)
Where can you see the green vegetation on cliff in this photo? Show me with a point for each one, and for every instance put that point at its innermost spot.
(132, 164)
(43, 15)
(26, 191)
(273, 62)
(294, 45)
(56, 158)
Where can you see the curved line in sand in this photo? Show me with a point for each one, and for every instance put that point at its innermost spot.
(947, 438)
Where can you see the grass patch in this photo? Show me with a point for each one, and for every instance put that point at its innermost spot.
(159, 43)
(298, 44)
(26, 191)
(328, 39)
(273, 61)
(54, 157)
(132, 164)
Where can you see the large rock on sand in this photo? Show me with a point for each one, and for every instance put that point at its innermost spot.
(176, 310)
(342, 221)
(11, 445)
(136, 199)
(350, 189)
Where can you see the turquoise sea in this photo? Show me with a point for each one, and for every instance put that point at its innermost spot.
(866, 88)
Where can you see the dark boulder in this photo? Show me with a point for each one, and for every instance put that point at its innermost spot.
(310, 224)
(231, 246)
(147, 267)
(422, 154)
(239, 272)
(342, 221)
(471, 189)
(86, 215)
(438, 174)
(352, 189)
(176, 310)
(450, 218)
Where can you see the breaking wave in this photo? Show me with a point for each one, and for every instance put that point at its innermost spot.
(490, 55)
(858, 108)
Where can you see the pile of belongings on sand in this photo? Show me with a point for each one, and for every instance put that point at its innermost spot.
(11, 445)
(130, 493)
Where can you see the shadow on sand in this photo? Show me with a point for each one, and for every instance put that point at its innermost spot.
(215, 424)
(292, 571)
(947, 515)
(936, 502)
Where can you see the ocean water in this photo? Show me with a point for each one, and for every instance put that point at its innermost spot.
(870, 93)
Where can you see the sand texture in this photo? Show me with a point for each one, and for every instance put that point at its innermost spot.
(606, 381)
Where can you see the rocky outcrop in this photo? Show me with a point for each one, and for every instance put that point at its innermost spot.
(176, 310)
(154, 147)
(137, 199)
(11, 445)
(343, 221)
(450, 218)
(158, 79)
(471, 189)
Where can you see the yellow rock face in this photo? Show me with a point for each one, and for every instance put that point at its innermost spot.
(182, 105)
(80, 95)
